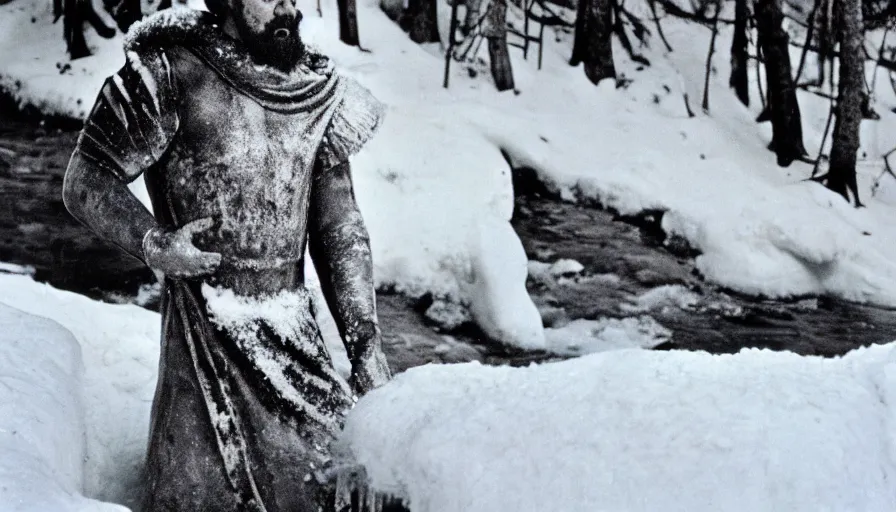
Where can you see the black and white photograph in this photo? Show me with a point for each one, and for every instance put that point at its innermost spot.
(447, 255)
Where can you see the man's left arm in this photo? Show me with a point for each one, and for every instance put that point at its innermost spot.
(340, 249)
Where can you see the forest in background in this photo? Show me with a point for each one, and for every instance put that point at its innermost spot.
(834, 38)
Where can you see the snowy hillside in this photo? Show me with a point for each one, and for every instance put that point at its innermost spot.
(42, 417)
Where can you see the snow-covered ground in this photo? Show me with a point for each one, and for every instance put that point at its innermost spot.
(42, 424)
(637, 430)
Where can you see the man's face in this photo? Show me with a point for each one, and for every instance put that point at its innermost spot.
(270, 31)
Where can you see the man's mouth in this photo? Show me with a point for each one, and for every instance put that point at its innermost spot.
(281, 33)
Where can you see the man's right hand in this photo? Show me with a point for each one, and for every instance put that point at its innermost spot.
(172, 253)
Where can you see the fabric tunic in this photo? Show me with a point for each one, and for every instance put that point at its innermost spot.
(247, 399)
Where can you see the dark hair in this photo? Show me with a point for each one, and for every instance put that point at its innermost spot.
(217, 7)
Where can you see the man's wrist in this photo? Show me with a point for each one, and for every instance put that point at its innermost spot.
(362, 339)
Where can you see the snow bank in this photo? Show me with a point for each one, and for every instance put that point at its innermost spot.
(36, 69)
(119, 346)
(674, 296)
(441, 225)
(637, 430)
(42, 428)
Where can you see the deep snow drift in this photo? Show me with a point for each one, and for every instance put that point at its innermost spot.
(637, 430)
(42, 425)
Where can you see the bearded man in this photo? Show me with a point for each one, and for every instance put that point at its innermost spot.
(243, 137)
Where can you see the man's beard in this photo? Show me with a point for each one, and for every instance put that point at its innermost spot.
(279, 45)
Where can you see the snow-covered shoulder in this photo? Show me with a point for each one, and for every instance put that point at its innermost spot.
(637, 430)
(42, 423)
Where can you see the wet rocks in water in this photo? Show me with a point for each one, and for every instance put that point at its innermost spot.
(453, 351)
(539, 272)
(679, 246)
(447, 315)
(406, 350)
(549, 273)
(583, 336)
(661, 299)
(31, 228)
(566, 268)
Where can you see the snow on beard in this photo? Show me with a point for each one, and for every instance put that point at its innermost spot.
(278, 44)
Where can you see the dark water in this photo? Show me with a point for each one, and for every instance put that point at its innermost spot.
(36, 230)
(634, 249)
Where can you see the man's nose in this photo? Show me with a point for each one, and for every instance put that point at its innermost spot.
(287, 8)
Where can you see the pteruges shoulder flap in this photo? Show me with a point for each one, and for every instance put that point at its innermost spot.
(357, 118)
(134, 117)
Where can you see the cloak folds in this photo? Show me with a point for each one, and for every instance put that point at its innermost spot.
(247, 400)
(246, 404)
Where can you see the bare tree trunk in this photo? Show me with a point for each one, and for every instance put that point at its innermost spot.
(75, 14)
(787, 130)
(810, 33)
(73, 30)
(496, 32)
(348, 22)
(392, 8)
(126, 13)
(471, 18)
(826, 38)
(841, 177)
(420, 21)
(740, 57)
(709, 54)
(593, 39)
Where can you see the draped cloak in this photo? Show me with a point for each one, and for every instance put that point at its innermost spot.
(247, 399)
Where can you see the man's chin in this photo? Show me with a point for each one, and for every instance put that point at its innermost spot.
(274, 48)
(282, 55)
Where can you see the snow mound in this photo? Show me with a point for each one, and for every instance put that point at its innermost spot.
(42, 424)
(637, 430)
(109, 403)
(119, 345)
